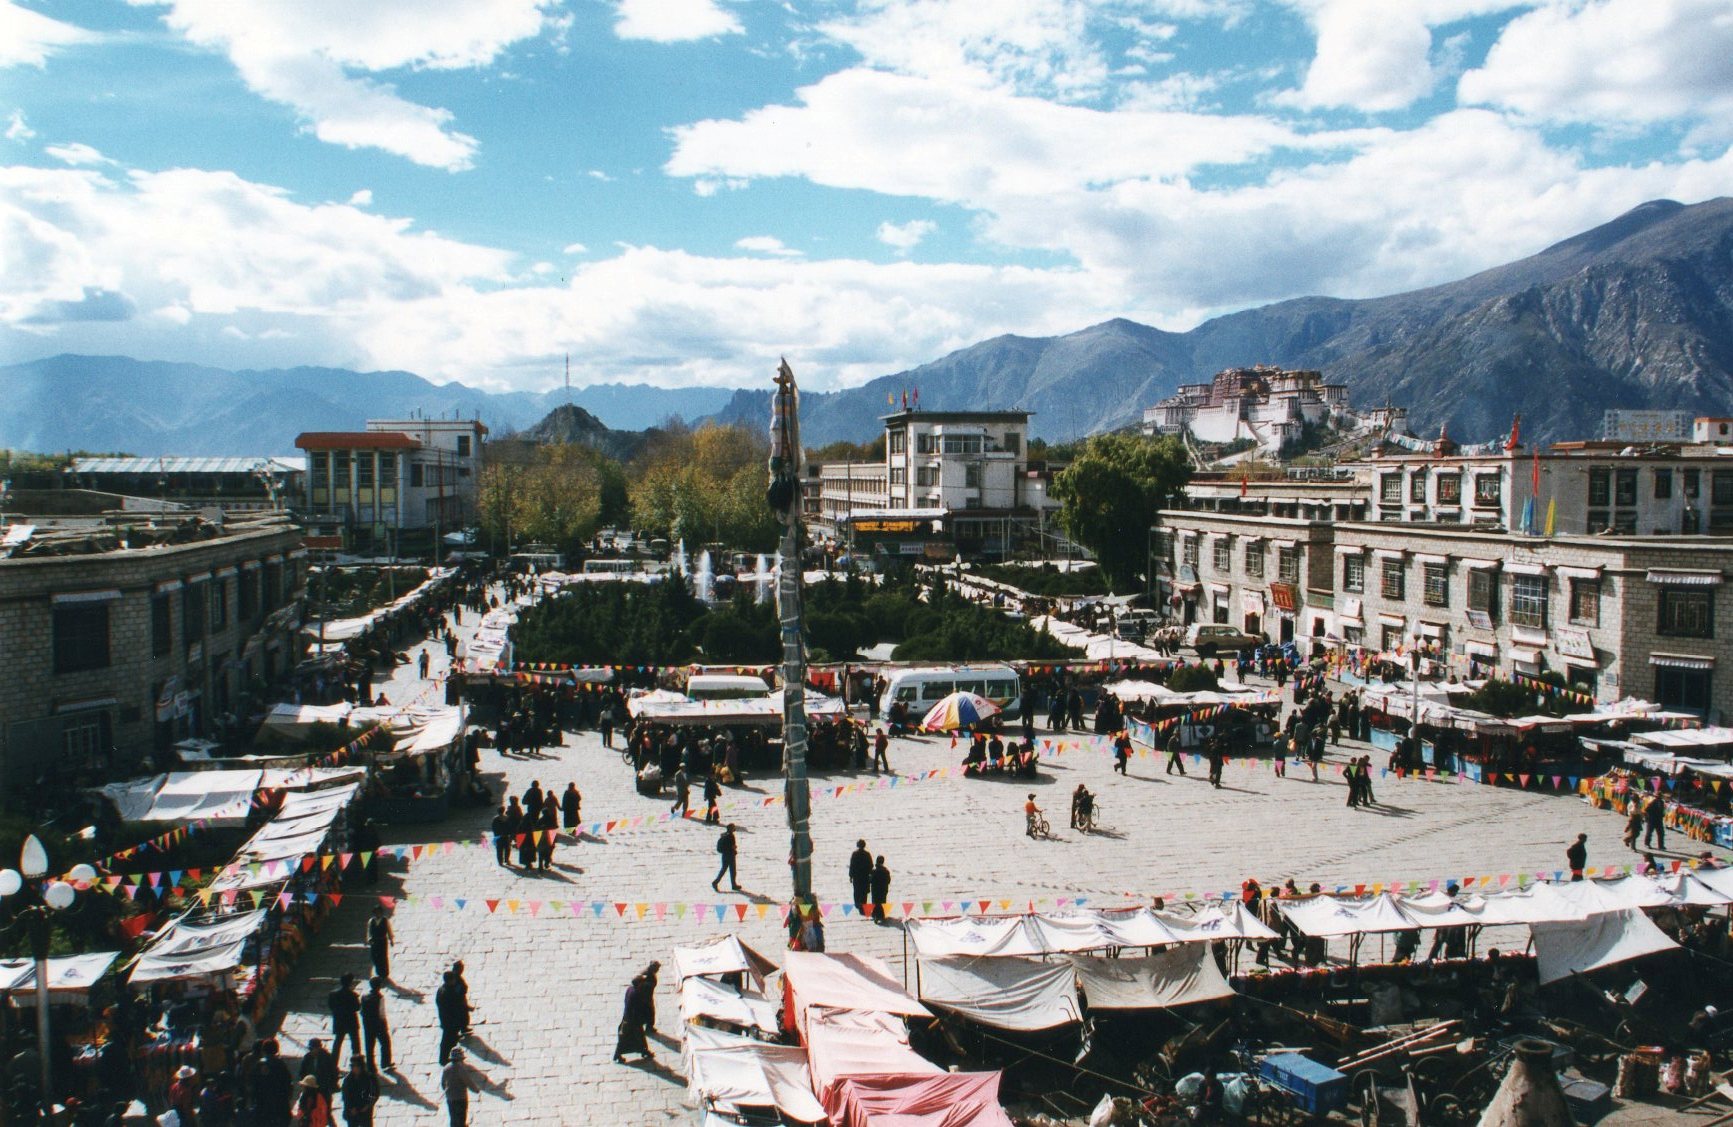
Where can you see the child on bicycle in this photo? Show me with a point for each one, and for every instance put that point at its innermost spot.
(1032, 815)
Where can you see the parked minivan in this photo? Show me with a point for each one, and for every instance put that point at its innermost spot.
(921, 688)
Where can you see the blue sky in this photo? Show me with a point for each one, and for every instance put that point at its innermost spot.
(680, 191)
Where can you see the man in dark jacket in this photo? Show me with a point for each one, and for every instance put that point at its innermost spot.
(453, 1015)
(375, 1029)
(360, 1092)
(345, 1008)
(881, 889)
(633, 1022)
(321, 1066)
(1577, 856)
(728, 847)
(269, 1086)
(860, 871)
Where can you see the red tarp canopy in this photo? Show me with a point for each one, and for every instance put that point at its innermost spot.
(954, 1099)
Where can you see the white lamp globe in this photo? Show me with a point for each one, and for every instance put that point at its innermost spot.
(33, 859)
(10, 882)
(59, 895)
(82, 874)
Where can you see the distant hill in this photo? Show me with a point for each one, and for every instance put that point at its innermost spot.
(1636, 313)
(567, 424)
(147, 407)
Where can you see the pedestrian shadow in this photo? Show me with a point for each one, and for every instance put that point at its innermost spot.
(1390, 811)
(1103, 831)
(478, 1045)
(399, 1088)
(406, 992)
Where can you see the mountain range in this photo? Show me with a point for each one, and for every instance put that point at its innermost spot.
(1636, 313)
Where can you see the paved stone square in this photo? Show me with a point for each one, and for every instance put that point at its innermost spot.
(547, 984)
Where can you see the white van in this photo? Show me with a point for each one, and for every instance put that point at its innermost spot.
(923, 687)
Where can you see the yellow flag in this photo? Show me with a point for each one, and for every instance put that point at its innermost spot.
(1551, 514)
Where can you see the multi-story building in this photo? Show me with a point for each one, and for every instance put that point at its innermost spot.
(952, 482)
(420, 476)
(127, 635)
(234, 485)
(1267, 405)
(1577, 488)
(1247, 570)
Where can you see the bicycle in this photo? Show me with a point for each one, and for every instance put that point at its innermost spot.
(1086, 818)
(1037, 827)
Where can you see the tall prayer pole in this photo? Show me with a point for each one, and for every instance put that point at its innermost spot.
(784, 498)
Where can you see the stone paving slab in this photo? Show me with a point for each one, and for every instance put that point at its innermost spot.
(548, 987)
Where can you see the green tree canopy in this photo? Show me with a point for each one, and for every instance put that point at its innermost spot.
(1110, 494)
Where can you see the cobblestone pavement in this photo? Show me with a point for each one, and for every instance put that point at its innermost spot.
(547, 984)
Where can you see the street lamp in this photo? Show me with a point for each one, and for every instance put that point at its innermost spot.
(37, 901)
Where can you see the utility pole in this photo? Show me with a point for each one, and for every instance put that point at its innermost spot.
(784, 498)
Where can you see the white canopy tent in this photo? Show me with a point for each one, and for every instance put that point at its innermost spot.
(1563, 949)
(723, 955)
(1003, 993)
(218, 798)
(1327, 917)
(1178, 976)
(710, 1000)
(68, 976)
(728, 1074)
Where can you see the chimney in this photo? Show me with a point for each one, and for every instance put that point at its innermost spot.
(1530, 1095)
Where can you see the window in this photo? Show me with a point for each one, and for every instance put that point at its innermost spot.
(1625, 522)
(388, 470)
(963, 443)
(1354, 573)
(463, 446)
(271, 587)
(1392, 637)
(340, 469)
(1188, 551)
(1586, 602)
(161, 625)
(416, 475)
(1600, 487)
(899, 475)
(924, 444)
(1435, 584)
(85, 738)
(1223, 552)
(1625, 488)
(249, 587)
(971, 477)
(1692, 480)
(899, 441)
(364, 470)
(1682, 688)
(1687, 612)
(1395, 579)
(1288, 564)
(1013, 442)
(319, 469)
(1721, 487)
(1487, 489)
(219, 604)
(1255, 559)
(193, 606)
(1663, 485)
(1417, 488)
(1450, 489)
(1600, 520)
(1528, 601)
(80, 637)
(1390, 489)
(927, 476)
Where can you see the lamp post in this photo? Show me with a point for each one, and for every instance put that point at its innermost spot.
(37, 901)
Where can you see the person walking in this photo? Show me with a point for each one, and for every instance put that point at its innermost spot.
(1367, 798)
(375, 1029)
(860, 871)
(1577, 857)
(633, 1022)
(501, 827)
(449, 1004)
(1217, 759)
(572, 807)
(380, 939)
(881, 745)
(312, 1106)
(1633, 825)
(457, 1080)
(345, 1007)
(1173, 752)
(320, 1067)
(269, 1086)
(360, 1091)
(712, 800)
(1121, 752)
(1655, 823)
(652, 978)
(682, 792)
(1351, 773)
(421, 664)
(728, 847)
(881, 889)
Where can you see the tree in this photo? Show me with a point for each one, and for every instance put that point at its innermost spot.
(705, 485)
(1111, 492)
(556, 495)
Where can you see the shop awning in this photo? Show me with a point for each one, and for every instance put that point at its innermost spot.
(729, 1074)
(1481, 649)
(1563, 949)
(1327, 917)
(1682, 661)
(1525, 656)
(69, 974)
(725, 955)
(1672, 578)
(1516, 567)
(955, 1099)
(1392, 620)
(1578, 572)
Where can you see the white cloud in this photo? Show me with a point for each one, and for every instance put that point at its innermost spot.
(1371, 55)
(362, 198)
(17, 129)
(299, 53)
(766, 244)
(1614, 63)
(574, 248)
(673, 21)
(905, 236)
(708, 186)
(27, 37)
(918, 137)
(76, 153)
(598, 174)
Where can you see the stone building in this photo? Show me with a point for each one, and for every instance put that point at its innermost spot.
(416, 476)
(128, 635)
(1267, 405)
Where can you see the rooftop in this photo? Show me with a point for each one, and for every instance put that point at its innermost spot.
(355, 440)
(59, 538)
(909, 416)
(175, 464)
